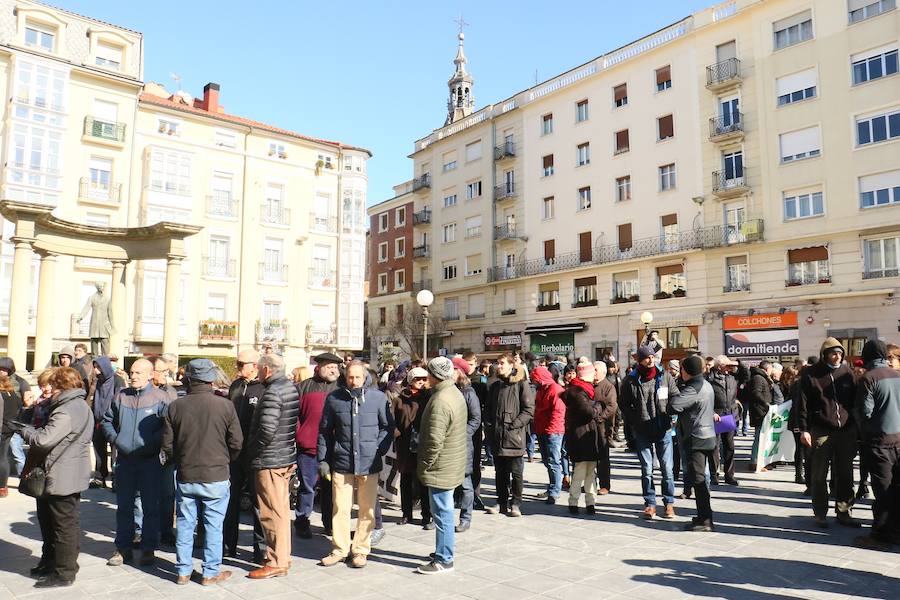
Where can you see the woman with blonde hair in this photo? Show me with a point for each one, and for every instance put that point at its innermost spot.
(10, 404)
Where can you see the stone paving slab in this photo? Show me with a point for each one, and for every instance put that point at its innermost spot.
(765, 547)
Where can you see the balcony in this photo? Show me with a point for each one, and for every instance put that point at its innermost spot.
(214, 266)
(423, 217)
(422, 182)
(322, 223)
(808, 279)
(505, 232)
(109, 194)
(272, 273)
(273, 331)
(475, 316)
(624, 299)
(507, 312)
(727, 128)
(584, 303)
(222, 205)
(218, 332)
(736, 286)
(322, 278)
(505, 192)
(880, 274)
(697, 239)
(418, 286)
(546, 307)
(423, 251)
(504, 151)
(451, 317)
(104, 130)
(723, 75)
(725, 187)
(319, 335)
(275, 215)
(676, 293)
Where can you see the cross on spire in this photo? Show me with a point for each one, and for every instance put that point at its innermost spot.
(460, 22)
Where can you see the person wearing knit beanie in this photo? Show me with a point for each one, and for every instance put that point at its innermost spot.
(440, 368)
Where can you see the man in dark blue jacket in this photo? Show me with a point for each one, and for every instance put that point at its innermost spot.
(106, 387)
(354, 434)
(133, 423)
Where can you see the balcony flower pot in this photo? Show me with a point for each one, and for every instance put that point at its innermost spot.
(635, 298)
(825, 280)
(791, 284)
(661, 295)
(679, 293)
(507, 312)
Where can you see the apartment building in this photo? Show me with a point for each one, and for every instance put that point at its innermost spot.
(278, 256)
(738, 162)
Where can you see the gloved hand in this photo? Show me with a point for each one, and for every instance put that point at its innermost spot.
(324, 470)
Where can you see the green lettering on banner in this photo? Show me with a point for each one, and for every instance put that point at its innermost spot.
(552, 343)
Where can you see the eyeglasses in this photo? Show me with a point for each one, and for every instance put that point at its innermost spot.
(420, 379)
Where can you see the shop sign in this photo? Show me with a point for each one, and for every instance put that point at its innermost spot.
(786, 320)
(502, 341)
(553, 343)
(774, 334)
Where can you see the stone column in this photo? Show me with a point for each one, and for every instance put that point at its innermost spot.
(172, 315)
(43, 338)
(117, 308)
(19, 299)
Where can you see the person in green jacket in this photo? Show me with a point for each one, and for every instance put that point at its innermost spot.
(442, 458)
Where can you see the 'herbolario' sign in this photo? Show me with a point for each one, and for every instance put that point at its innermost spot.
(775, 334)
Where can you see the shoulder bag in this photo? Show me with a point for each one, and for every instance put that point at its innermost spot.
(34, 482)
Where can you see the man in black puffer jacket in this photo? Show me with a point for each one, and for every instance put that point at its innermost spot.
(725, 388)
(272, 451)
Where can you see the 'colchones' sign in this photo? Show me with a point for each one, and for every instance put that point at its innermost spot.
(774, 334)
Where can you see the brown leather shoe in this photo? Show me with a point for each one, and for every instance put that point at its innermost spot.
(332, 559)
(222, 576)
(670, 511)
(602, 491)
(4, 492)
(265, 573)
(649, 512)
(183, 579)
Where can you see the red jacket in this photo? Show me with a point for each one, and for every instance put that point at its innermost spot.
(549, 410)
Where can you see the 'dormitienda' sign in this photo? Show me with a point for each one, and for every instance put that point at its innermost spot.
(761, 335)
(502, 341)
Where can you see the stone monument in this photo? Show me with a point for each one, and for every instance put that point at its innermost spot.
(101, 324)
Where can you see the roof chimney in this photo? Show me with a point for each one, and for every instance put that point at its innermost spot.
(211, 97)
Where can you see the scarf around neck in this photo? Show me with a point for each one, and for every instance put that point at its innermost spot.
(584, 385)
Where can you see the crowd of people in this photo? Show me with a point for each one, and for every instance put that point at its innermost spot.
(188, 446)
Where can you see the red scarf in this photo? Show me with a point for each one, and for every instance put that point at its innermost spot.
(647, 374)
(584, 385)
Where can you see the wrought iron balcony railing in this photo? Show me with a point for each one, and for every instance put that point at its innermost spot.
(273, 273)
(421, 182)
(421, 251)
(324, 224)
(211, 331)
(418, 286)
(504, 150)
(322, 277)
(422, 217)
(881, 273)
(109, 193)
(808, 279)
(214, 266)
(505, 232)
(504, 191)
(726, 184)
(275, 215)
(222, 205)
(106, 130)
(723, 73)
(726, 126)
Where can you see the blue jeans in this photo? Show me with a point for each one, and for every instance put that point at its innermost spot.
(755, 448)
(133, 476)
(467, 500)
(663, 449)
(212, 498)
(445, 535)
(551, 446)
(308, 475)
(17, 449)
(167, 501)
(529, 441)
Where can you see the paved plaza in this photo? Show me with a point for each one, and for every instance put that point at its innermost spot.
(765, 546)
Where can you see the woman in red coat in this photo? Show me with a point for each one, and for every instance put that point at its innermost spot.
(549, 425)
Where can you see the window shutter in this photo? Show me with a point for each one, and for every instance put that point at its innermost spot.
(873, 52)
(795, 82)
(802, 255)
(726, 51)
(622, 139)
(669, 270)
(585, 281)
(857, 4)
(663, 75)
(620, 92)
(549, 249)
(800, 142)
(548, 161)
(584, 246)
(806, 15)
(666, 127)
(668, 220)
(625, 237)
(880, 181)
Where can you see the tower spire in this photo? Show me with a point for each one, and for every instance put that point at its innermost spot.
(461, 100)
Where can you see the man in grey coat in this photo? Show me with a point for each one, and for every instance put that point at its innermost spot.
(695, 407)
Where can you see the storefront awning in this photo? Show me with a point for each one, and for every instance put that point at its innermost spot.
(556, 328)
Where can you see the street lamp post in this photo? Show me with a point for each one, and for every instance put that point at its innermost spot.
(425, 299)
(646, 319)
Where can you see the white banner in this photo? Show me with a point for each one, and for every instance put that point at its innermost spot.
(776, 440)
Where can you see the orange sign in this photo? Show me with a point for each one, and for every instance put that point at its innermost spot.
(765, 321)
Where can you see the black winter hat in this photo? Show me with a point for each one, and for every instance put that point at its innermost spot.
(693, 365)
(874, 350)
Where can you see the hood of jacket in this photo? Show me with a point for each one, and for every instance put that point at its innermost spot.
(542, 376)
(106, 368)
(517, 375)
(8, 365)
(830, 342)
(760, 372)
(66, 396)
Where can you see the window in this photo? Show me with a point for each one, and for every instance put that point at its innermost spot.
(878, 128)
(327, 159)
(796, 87)
(663, 78)
(40, 86)
(399, 280)
(665, 127)
(585, 292)
(398, 313)
(623, 188)
(509, 301)
(621, 141)
(451, 309)
(449, 161)
(793, 30)
(620, 95)
(548, 207)
(473, 226)
(320, 271)
(473, 190)
(584, 198)
(879, 190)
(548, 296)
(100, 177)
(215, 307)
(271, 314)
(170, 172)
(737, 274)
(585, 247)
(874, 64)
(383, 222)
(473, 265)
(382, 283)
(108, 55)
(225, 139)
(449, 200)
(382, 316)
(584, 154)
(800, 144)
(38, 35)
(218, 259)
(733, 168)
(670, 280)
(382, 252)
(547, 124)
(667, 177)
(860, 10)
(669, 226)
(624, 234)
(400, 247)
(473, 151)
(449, 271)
(581, 111)
(449, 233)
(273, 261)
(549, 252)
(449, 166)
(882, 258)
(626, 286)
(400, 217)
(476, 306)
(548, 165)
(808, 265)
(801, 206)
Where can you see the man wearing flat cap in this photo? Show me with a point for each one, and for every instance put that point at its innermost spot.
(313, 392)
(202, 435)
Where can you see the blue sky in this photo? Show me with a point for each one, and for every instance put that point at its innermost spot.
(372, 74)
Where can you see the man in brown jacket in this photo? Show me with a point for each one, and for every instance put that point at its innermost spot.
(605, 395)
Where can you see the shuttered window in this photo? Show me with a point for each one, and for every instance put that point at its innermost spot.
(620, 95)
(802, 255)
(622, 141)
(625, 237)
(549, 251)
(663, 78)
(666, 127)
(668, 220)
(584, 246)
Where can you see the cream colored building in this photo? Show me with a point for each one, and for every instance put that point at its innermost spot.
(741, 161)
(279, 257)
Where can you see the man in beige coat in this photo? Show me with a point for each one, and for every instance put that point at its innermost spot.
(442, 458)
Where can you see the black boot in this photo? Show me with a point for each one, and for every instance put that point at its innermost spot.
(302, 529)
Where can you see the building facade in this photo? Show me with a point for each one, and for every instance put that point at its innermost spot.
(741, 161)
(280, 257)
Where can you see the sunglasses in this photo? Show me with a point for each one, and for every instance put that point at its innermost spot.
(420, 379)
